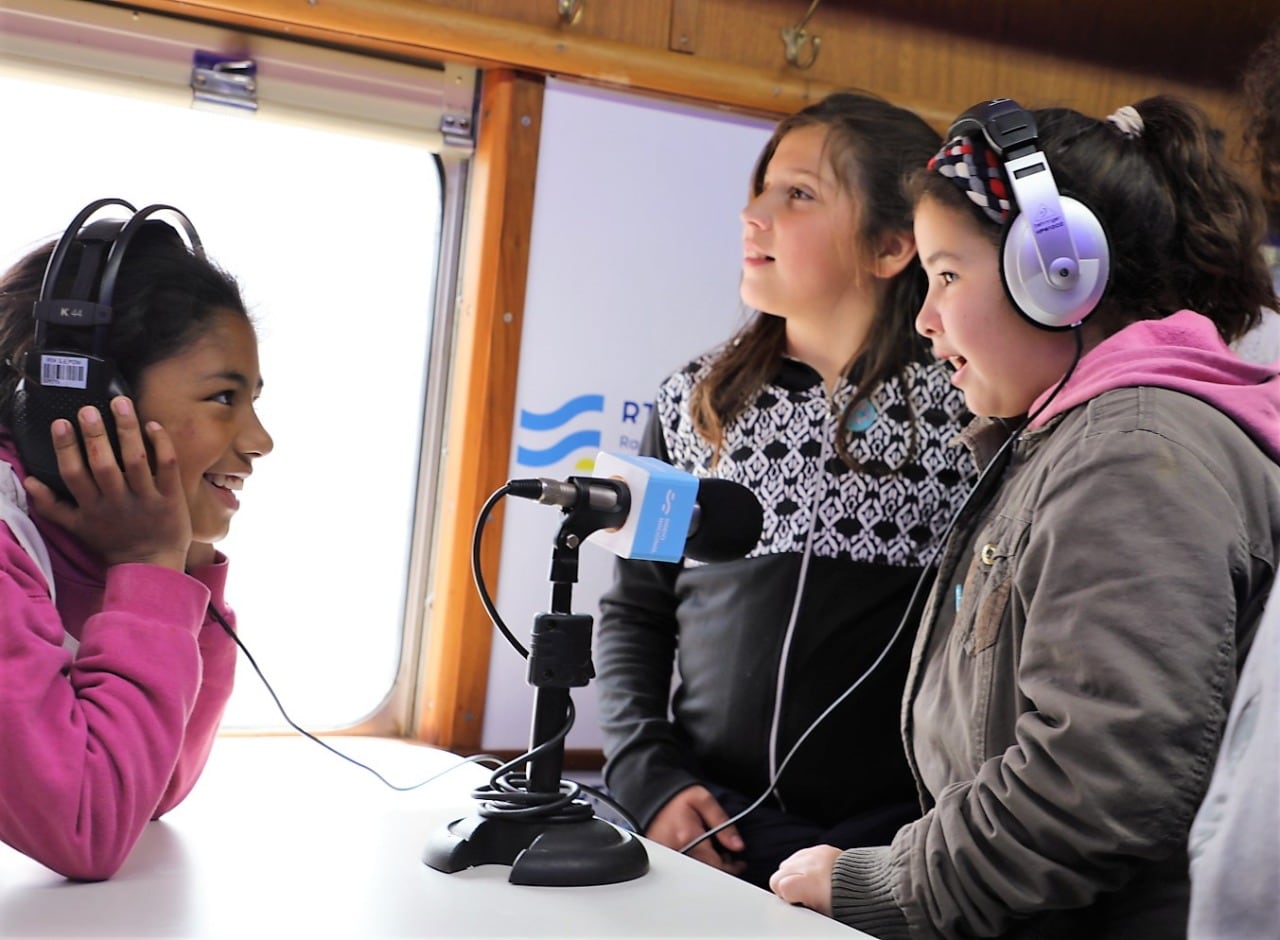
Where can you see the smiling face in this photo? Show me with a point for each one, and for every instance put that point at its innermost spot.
(798, 231)
(1002, 361)
(204, 397)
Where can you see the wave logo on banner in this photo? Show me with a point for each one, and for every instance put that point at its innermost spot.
(585, 439)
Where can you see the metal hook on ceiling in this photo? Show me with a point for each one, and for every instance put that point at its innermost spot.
(570, 11)
(794, 38)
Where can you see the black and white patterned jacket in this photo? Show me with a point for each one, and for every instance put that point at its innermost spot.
(765, 644)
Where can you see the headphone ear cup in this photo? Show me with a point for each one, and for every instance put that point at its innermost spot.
(37, 406)
(1029, 289)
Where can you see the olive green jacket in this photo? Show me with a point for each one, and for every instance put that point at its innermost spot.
(1072, 675)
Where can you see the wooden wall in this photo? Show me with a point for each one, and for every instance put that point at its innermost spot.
(937, 56)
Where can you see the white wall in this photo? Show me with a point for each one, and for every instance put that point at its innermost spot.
(633, 270)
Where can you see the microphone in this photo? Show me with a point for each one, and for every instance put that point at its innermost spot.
(663, 514)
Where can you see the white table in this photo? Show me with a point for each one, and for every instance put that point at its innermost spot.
(282, 839)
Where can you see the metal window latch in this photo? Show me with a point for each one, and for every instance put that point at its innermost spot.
(457, 130)
(219, 79)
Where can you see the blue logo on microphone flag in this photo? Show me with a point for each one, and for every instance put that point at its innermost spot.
(662, 501)
(666, 512)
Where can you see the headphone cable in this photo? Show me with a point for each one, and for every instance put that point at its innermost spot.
(506, 793)
(227, 628)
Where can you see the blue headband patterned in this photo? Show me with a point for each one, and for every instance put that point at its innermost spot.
(973, 166)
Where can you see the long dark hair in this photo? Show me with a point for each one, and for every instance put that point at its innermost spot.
(871, 145)
(1261, 89)
(1185, 230)
(165, 298)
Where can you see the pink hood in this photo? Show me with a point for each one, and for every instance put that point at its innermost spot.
(1184, 353)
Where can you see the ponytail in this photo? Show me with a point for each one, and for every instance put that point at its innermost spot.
(1221, 222)
(1262, 125)
(1184, 229)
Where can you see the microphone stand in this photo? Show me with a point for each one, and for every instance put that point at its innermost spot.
(537, 824)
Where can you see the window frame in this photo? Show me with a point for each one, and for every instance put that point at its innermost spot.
(151, 56)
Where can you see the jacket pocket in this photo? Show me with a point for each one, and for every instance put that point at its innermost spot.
(989, 583)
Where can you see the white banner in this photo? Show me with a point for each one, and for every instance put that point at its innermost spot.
(635, 258)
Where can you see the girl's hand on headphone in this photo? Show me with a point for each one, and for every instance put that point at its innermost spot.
(128, 514)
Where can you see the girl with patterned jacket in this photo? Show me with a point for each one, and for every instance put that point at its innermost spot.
(116, 654)
(833, 412)
(1081, 648)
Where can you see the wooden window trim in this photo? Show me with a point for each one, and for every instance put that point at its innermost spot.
(455, 661)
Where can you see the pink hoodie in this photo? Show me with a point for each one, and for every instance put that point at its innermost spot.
(96, 743)
(1184, 353)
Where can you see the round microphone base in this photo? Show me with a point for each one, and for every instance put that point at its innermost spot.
(540, 852)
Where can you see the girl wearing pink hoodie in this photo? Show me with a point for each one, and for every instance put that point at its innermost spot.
(116, 655)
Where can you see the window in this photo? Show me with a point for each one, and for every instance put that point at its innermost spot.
(336, 204)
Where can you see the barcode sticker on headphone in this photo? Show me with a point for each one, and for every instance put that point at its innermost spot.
(64, 371)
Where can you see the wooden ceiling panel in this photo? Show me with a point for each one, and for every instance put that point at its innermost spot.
(1199, 42)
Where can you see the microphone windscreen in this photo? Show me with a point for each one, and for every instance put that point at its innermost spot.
(729, 522)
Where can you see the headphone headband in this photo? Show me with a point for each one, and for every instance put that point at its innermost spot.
(53, 270)
(1008, 127)
(104, 243)
(107, 291)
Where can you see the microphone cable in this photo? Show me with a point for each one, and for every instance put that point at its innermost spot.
(477, 575)
(997, 460)
(502, 788)
(507, 794)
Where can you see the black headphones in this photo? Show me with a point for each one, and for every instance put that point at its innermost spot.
(1054, 258)
(59, 378)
